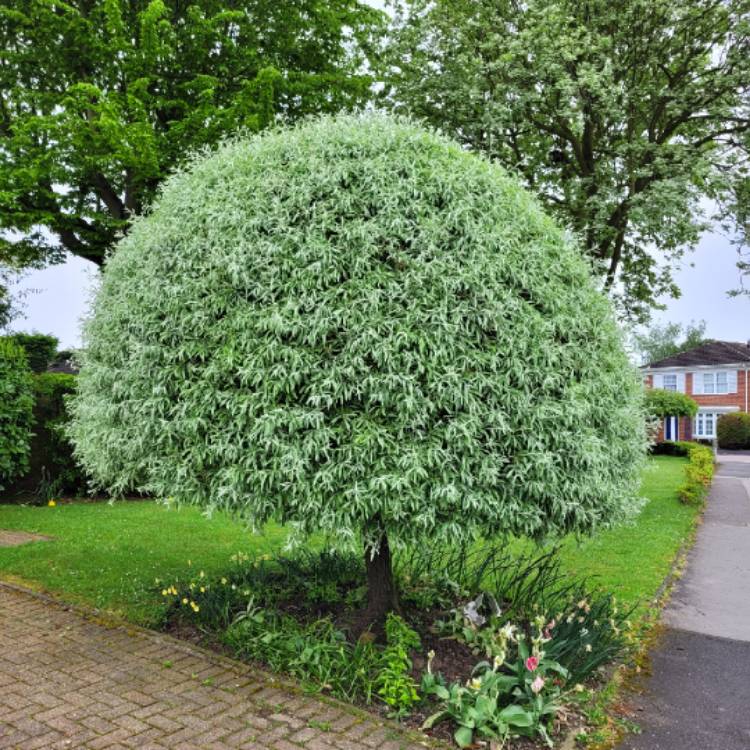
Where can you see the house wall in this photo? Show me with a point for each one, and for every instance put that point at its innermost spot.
(737, 400)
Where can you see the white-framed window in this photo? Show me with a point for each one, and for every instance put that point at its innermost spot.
(705, 424)
(716, 382)
(669, 382)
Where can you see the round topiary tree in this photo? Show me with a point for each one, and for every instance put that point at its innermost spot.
(356, 327)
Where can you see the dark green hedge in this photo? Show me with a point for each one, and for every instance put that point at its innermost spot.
(40, 348)
(16, 401)
(733, 431)
(699, 471)
(52, 470)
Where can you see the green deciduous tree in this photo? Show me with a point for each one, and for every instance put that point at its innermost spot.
(356, 327)
(16, 403)
(661, 341)
(661, 403)
(100, 99)
(621, 116)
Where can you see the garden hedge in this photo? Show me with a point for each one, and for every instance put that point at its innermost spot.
(51, 470)
(733, 431)
(16, 402)
(699, 471)
(358, 327)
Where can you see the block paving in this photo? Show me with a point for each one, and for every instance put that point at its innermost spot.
(68, 680)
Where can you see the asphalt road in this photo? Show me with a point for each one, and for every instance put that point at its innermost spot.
(698, 697)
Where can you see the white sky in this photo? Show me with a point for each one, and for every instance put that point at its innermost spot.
(62, 292)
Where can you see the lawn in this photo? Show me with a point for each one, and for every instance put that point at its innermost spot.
(109, 556)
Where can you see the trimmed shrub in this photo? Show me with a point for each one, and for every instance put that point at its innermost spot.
(40, 348)
(661, 403)
(698, 473)
(358, 327)
(16, 402)
(733, 431)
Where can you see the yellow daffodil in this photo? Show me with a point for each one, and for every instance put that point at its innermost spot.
(185, 601)
(52, 503)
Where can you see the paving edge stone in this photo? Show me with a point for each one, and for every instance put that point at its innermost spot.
(108, 620)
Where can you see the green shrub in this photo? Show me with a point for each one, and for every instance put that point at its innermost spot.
(670, 448)
(51, 470)
(357, 326)
(661, 403)
(59, 470)
(16, 403)
(698, 473)
(733, 430)
(39, 347)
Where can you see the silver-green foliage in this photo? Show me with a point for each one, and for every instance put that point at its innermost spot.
(356, 317)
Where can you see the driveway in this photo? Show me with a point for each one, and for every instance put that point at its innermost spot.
(698, 697)
(68, 681)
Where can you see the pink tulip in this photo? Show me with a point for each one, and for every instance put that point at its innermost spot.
(537, 685)
(532, 663)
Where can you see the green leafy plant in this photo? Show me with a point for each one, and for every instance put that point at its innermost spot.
(511, 696)
(389, 342)
(586, 626)
(316, 653)
(16, 404)
(698, 474)
(661, 403)
(733, 431)
(40, 349)
(395, 684)
(307, 582)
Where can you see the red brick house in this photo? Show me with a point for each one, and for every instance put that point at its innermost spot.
(715, 374)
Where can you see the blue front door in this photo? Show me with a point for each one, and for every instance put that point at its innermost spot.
(671, 429)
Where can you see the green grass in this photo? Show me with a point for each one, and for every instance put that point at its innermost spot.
(632, 561)
(109, 556)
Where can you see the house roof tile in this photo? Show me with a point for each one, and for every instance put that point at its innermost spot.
(708, 353)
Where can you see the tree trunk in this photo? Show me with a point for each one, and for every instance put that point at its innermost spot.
(382, 596)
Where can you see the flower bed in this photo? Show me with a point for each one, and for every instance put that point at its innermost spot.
(493, 647)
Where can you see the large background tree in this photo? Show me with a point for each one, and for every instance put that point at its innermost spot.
(99, 99)
(661, 341)
(622, 116)
(357, 327)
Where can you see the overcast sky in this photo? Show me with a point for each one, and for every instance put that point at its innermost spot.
(61, 294)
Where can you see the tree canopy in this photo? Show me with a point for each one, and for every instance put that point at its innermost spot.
(100, 99)
(356, 327)
(661, 403)
(662, 341)
(622, 117)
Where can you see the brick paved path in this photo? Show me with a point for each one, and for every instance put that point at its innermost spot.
(67, 681)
